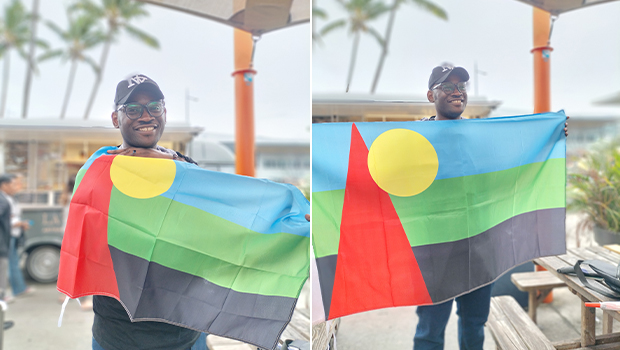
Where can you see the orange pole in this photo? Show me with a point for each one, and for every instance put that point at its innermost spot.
(542, 58)
(244, 104)
(542, 80)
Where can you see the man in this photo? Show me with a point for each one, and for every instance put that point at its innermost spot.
(140, 115)
(447, 89)
(6, 189)
(18, 227)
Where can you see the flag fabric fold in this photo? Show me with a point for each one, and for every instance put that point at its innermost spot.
(416, 213)
(214, 252)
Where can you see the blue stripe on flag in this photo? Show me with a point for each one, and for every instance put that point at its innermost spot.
(257, 204)
(516, 141)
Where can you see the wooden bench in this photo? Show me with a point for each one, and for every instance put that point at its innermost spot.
(603, 342)
(537, 284)
(512, 328)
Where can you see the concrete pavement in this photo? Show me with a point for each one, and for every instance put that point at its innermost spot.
(36, 322)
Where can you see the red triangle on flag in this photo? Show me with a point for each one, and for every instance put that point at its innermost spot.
(376, 267)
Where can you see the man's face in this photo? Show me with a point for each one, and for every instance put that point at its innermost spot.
(16, 185)
(11, 187)
(143, 132)
(6, 187)
(448, 106)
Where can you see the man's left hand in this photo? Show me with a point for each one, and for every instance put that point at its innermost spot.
(566, 127)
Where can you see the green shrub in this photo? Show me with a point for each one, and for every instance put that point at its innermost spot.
(594, 186)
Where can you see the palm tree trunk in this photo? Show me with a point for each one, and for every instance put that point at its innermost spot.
(386, 43)
(74, 63)
(102, 62)
(5, 81)
(356, 42)
(30, 68)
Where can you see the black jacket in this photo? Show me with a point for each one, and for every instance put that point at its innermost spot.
(5, 226)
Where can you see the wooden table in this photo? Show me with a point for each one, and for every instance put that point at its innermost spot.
(552, 263)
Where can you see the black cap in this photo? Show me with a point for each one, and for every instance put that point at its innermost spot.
(441, 73)
(6, 178)
(139, 82)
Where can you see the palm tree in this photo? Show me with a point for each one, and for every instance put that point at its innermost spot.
(34, 18)
(360, 13)
(425, 5)
(14, 35)
(317, 13)
(117, 14)
(81, 35)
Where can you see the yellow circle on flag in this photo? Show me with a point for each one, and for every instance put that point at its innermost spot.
(402, 162)
(142, 177)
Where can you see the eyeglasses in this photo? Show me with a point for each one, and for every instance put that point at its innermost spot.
(134, 110)
(449, 87)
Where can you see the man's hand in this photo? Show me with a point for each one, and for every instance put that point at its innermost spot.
(23, 224)
(566, 127)
(141, 152)
(308, 217)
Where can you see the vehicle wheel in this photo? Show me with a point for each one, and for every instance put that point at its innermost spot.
(42, 263)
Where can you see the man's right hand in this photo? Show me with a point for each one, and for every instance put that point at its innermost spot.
(25, 225)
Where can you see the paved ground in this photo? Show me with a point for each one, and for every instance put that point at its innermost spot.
(36, 322)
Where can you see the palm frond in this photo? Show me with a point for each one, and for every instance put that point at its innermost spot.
(49, 55)
(318, 13)
(333, 25)
(376, 35)
(432, 8)
(142, 36)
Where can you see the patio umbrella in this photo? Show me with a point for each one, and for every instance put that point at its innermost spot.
(556, 7)
(254, 18)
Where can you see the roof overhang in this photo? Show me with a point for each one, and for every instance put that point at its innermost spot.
(80, 131)
(390, 107)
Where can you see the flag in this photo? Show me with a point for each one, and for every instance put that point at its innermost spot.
(209, 251)
(416, 213)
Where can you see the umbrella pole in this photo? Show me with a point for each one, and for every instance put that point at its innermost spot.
(244, 104)
(542, 83)
(542, 58)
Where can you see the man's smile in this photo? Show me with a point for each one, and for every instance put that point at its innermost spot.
(456, 102)
(147, 128)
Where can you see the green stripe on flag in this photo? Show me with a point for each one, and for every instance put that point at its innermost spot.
(78, 178)
(326, 216)
(202, 244)
(456, 208)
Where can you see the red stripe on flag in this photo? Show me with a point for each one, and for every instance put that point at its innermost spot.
(376, 267)
(85, 262)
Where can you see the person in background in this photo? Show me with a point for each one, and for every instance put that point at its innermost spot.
(18, 227)
(5, 235)
(5, 230)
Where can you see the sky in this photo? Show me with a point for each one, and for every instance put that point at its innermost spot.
(195, 54)
(495, 34)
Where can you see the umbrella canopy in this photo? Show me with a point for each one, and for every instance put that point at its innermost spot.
(254, 16)
(555, 7)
